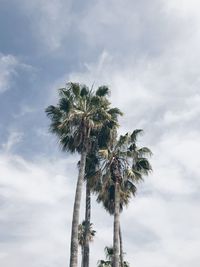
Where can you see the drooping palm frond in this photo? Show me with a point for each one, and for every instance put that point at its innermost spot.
(135, 134)
(144, 151)
(103, 91)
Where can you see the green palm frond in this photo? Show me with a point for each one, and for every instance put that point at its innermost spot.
(144, 151)
(84, 91)
(143, 165)
(75, 88)
(103, 91)
(115, 111)
(64, 105)
(54, 113)
(123, 140)
(135, 134)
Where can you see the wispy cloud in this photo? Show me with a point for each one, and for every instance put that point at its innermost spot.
(8, 65)
(14, 138)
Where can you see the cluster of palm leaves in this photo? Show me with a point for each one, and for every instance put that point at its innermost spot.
(85, 122)
(109, 259)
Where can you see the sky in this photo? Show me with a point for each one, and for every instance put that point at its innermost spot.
(147, 52)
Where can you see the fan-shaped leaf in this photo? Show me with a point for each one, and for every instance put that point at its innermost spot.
(102, 91)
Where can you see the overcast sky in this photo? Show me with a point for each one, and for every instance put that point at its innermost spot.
(148, 53)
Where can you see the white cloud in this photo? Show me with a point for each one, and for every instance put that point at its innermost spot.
(8, 64)
(13, 139)
(35, 211)
(9, 67)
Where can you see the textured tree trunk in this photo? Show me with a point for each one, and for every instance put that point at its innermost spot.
(75, 220)
(116, 228)
(81, 256)
(86, 249)
(121, 248)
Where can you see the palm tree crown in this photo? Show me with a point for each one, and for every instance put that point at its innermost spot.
(79, 111)
(125, 163)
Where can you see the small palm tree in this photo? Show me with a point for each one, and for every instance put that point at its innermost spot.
(109, 259)
(78, 113)
(123, 164)
(81, 237)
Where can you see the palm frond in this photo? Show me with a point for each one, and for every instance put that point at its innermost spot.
(135, 134)
(123, 140)
(53, 113)
(143, 165)
(84, 91)
(144, 151)
(115, 112)
(103, 91)
(74, 88)
(64, 105)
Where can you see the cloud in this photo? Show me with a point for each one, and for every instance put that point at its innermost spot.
(35, 206)
(13, 139)
(9, 67)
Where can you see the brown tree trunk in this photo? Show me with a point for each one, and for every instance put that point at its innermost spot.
(121, 248)
(86, 248)
(116, 228)
(76, 211)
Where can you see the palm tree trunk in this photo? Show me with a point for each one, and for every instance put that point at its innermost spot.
(116, 228)
(121, 248)
(86, 248)
(81, 256)
(75, 220)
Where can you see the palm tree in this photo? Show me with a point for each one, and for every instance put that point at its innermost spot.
(78, 112)
(103, 137)
(109, 258)
(81, 237)
(122, 164)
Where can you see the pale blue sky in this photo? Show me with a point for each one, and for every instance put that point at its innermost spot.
(148, 53)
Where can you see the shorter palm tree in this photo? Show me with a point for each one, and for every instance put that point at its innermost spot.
(81, 236)
(123, 164)
(109, 259)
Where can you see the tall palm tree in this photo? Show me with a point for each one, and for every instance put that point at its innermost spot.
(103, 137)
(122, 164)
(78, 112)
